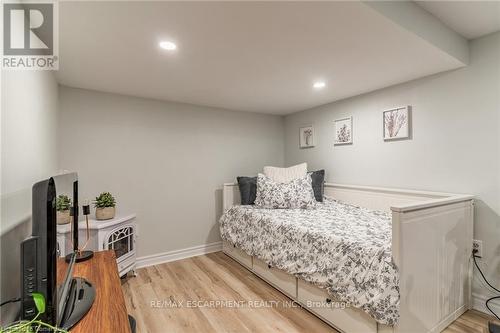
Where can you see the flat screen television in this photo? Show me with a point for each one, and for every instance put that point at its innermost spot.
(67, 298)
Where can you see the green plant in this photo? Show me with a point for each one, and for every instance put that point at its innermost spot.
(34, 325)
(105, 199)
(63, 202)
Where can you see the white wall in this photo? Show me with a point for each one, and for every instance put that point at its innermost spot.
(28, 153)
(164, 161)
(455, 145)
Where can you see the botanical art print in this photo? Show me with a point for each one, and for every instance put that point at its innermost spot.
(343, 131)
(306, 137)
(397, 123)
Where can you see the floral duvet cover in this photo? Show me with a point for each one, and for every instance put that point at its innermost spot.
(340, 247)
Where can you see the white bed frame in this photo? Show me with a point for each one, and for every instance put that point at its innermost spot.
(431, 246)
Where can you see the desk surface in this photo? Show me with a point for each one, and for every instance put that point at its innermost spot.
(108, 313)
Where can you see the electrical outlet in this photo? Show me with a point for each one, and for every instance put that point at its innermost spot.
(478, 246)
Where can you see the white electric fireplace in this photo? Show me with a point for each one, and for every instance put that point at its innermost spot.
(118, 234)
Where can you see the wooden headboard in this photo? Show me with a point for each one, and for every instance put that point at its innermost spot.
(378, 198)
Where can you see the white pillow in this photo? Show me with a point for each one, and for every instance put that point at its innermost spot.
(297, 193)
(285, 175)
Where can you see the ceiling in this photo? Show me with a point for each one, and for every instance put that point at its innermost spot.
(471, 19)
(246, 56)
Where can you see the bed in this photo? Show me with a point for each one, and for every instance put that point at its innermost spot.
(399, 259)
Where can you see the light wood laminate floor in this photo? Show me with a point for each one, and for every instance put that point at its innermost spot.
(176, 296)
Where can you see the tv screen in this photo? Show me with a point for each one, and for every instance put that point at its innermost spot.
(43, 270)
(66, 206)
(66, 202)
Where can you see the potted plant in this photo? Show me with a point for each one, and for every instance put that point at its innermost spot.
(63, 203)
(35, 325)
(104, 206)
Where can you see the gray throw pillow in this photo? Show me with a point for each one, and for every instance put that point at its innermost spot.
(318, 184)
(248, 189)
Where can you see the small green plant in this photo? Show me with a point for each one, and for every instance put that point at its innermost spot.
(105, 199)
(34, 325)
(63, 202)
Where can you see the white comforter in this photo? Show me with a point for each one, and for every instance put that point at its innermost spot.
(340, 247)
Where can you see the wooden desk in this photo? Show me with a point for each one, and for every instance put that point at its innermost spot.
(108, 313)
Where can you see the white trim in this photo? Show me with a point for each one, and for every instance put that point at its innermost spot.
(449, 319)
(96, 224)
(430, 194)
(478, 303)
(174, 255)
(378, 198)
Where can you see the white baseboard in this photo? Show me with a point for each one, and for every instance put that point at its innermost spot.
(449, 319)
(174, 255)
(478, 303)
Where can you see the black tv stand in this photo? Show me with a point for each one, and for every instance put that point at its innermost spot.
(80, 299)
(109, 311)
(80, 256)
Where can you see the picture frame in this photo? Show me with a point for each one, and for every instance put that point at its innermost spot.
(306, 137)
(396, 123)
(343, 131)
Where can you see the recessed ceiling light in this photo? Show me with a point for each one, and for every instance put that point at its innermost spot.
(167, 45)
(319, 84)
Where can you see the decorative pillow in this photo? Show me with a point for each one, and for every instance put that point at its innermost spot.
(295, 194)
(318, 184)
(284, 175)
(248, 189)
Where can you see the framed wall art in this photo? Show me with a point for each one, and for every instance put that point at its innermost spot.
(343, 131)
(397, 123)
(306, 139)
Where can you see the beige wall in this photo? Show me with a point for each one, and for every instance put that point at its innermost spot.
(455, 145)
(28, 154)
(164, 161)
